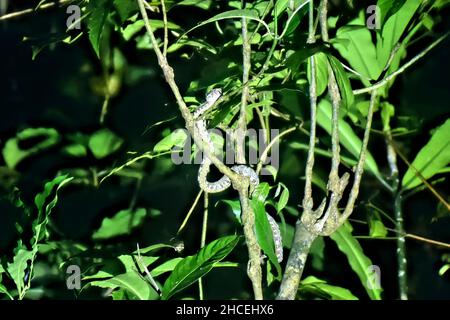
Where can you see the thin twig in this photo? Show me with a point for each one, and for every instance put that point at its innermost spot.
(263, 157)
(402, 69)
(241, 184)
(186, 219)
(407, 235)
(166, 29)
(19, 14)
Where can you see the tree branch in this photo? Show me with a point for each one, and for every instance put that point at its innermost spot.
(240, 183)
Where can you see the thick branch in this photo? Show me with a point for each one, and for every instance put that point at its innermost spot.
(296, 263)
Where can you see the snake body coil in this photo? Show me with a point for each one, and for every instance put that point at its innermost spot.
(224, 182)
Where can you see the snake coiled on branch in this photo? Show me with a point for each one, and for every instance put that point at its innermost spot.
(224, 182)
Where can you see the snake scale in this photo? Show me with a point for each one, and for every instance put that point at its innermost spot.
(224, 182)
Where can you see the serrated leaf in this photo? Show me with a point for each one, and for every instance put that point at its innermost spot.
(13, 153)
(103, 143)
(432, 158)
(191, 268)
(320, 287)
(349, 140)
(358, 261)
(98, 14)
(122, 223)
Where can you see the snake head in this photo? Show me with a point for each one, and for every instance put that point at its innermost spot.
(213, 95)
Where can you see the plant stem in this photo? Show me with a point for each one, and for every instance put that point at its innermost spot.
(398, 215)
(401, 249)
(203, 239)
(303, 238)
(240, 183)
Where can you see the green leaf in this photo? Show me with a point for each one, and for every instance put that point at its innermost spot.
(376, 226)
(347, 137)
(76, 150)
(125, 8)
(235, 206)
(320, 288)
(5, 291)
(354, 43)
(358, 261)
(389, 8)
(191, 268)
(261, 192)
(432, 158)
(232, 14)
(165, 267)
(120, 224)
(175, 138)
(284, 198)
(343, 82)
(16, 269)
(132, 282)
(393, 30)
(321, 64)
(13, 153)
(132, 29)
(45, 204)
(103, 143)
(264, 234)
(98, 14)
(387, 112)
(202, 4)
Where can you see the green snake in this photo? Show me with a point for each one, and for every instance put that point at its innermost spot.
(224, 182)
